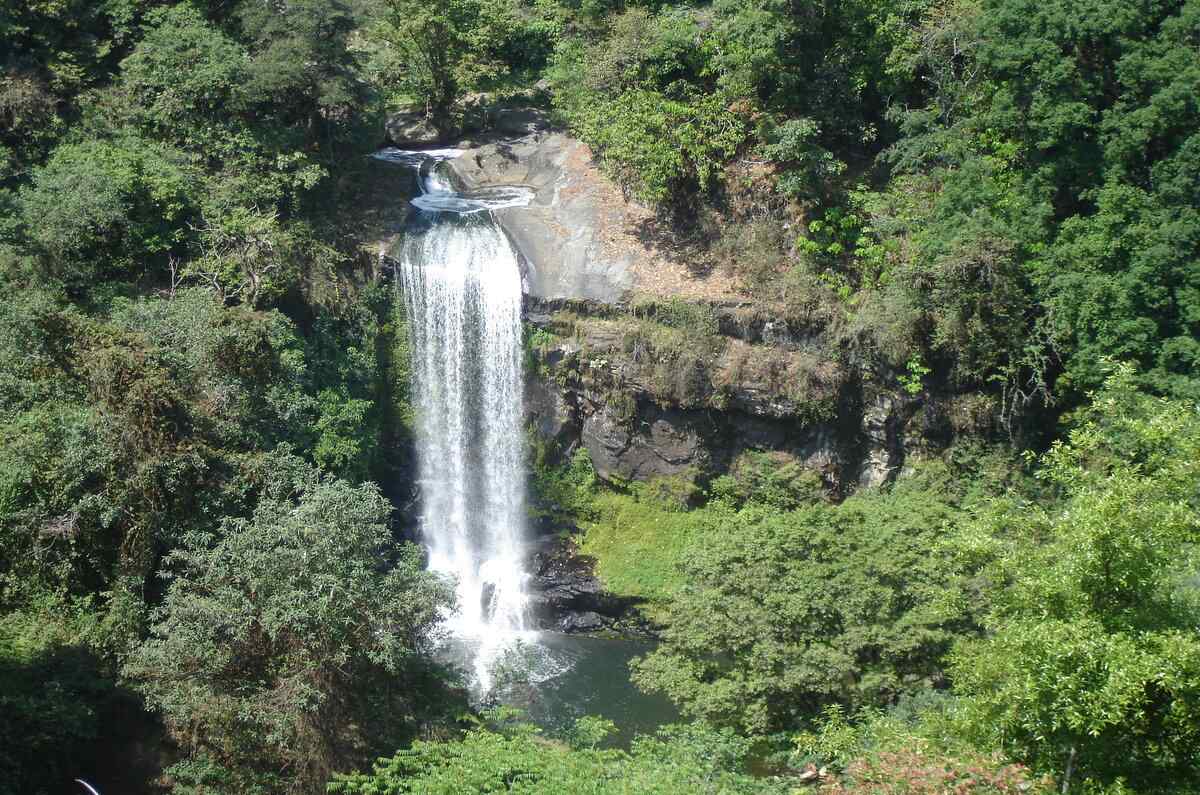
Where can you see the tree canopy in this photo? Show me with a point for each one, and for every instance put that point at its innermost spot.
(280, 630)
(982, 215)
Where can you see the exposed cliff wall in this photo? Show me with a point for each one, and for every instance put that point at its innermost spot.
(657, 390)
(567, 231)
(658, 371)
(582, 238)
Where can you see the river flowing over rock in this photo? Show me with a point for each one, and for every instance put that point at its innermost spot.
(462, 288)
(570, 233)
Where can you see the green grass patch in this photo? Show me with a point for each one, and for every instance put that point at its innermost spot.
(638, 541)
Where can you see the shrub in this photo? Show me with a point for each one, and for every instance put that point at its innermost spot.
(270, 650)
(918, 772)
(778, 614)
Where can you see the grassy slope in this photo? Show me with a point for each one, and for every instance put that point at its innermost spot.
(637, 543)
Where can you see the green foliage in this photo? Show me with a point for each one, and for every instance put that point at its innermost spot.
(99, 211)
(589, 731)
(681, 759)
(941, 259)
(300, 60)
(186, 78)
(564, 492)
(198, 162)
(275, 630)
(399, 422)
(1091, 660)
(849, 604)
(632, 98)
(1121, 283)
(835, 740)
(344, 435)
(53, 51)
(830, 238)
(119, 436)
(773, 480)
(667, 98)
(772, 51)
(806, 166)
(56, 690)
(663, 147)
(431, 53)
(1085, 112)
(638, 539)
(912, 381)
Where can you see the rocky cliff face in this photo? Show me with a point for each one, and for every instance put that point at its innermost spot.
(649, 397)
(566, 232)
(647, 401)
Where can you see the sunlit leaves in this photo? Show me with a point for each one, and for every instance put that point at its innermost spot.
(1091, 652)
(273, 626)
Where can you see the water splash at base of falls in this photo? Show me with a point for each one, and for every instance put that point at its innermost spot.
(461, 280)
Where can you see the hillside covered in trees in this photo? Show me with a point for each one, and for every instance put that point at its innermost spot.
(208, 576)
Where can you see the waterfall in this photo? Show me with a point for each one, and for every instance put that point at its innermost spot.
(461, 281)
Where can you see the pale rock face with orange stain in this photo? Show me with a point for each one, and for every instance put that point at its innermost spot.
(580, 237)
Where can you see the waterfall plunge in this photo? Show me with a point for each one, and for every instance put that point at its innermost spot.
(462, 287)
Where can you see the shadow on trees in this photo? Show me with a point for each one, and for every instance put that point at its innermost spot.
(62, 717)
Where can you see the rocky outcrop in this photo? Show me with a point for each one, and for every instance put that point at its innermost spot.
(649, 441)
(654, 443)
(411, 127)
(566, 596)
(569, 234)
(552, 418)
(882, 457)
(644, 412)
(647, 401)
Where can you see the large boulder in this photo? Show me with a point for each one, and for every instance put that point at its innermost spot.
(410, 127)
(520, 121)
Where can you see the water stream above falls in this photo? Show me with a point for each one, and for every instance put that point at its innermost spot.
(461, 282)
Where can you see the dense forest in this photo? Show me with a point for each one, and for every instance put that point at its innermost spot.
(205, 581)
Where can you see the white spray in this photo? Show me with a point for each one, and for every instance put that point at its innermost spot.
(462, 286)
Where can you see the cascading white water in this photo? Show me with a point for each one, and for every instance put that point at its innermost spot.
(462, 286)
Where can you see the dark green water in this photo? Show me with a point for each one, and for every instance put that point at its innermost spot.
(580, 675)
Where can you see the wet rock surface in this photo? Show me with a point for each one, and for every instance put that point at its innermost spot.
(564, 234)
(566, 595)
